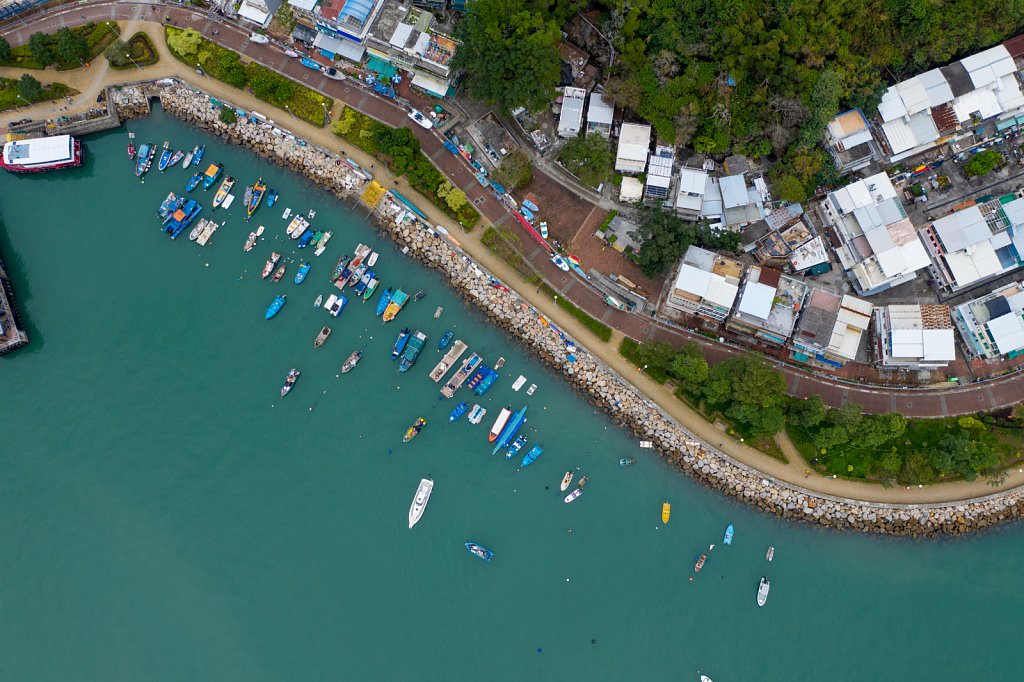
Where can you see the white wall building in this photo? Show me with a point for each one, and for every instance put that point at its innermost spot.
(690, 197)
(600, 115)
(634, 144)
(258, 12)
(878, 245)
(918, 336)
(570, 120)
(992, 326)
(706, 285)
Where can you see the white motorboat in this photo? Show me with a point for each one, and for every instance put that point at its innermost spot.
(499, 424)
(372, 260)
(286, 214)
(770, 554)
(573, 495)
(476, 415)
(207, 233)
(419, 502)
(318, 301)
(531, 389)
(762, 591)
(566, 480)
(519, 383)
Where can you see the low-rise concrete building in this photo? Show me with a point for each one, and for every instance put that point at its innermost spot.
(848, 138)
(690, 196)
(705, 285)
(659, 172)
(634, 145)
(600, 115)
(258, 12)
(768, 305)
(570, 119)
(975, 243)
(915, 336)
(875, 240)
(992, 326)
(830, 332)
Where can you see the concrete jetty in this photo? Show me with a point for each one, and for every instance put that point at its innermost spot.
(12, 330)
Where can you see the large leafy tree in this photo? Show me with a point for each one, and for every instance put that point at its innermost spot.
(750, 393)
(509, 54)
(588, 157)
(71, 46)
(664, 238)
(5, 49)
(29, 89)
(40, 49)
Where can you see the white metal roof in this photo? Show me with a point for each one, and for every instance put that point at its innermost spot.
(631, 189)
(939, 345)
(1008, 332)
(41, 150)
(757, 300)
(600, 110)
(634, 143)
(734, 191)
(655, 180)
(988, 66)
(659, 165)
(974, 263)
(430, 84)
(936, 87)
(707, 285)
(571, 118)
(963, 228)
(692, 181)
(400, 36)
(307, 5)
(913, 94)
(891, 106)
(859, 305)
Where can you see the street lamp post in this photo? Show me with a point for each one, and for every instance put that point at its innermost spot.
(133, 61)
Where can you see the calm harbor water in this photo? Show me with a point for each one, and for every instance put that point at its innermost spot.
(165, 515)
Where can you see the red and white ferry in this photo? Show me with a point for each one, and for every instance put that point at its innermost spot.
(42, 154)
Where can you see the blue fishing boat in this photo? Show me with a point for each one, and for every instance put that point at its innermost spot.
(531, 456)
(276, 306)
(412, 351)
(445, 340)
(194, 182)
(300, 276)
(211, 175)
(305, 239)
(309, 63)
(403, 338)
(482, 552)
(183, 217)
(144, 159)
(516, 446)
(197, 154)
(486, 382)
(385, 299)
(165, 157)
(271, 197)
(258, 190)
(477, 376)
(530, 205)
(728, 535)
(459, 410)
(363, 282)
(340, 267)
(511, 426)
(169, 205)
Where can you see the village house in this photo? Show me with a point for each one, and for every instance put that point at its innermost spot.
(915, 336)
(830, 332)
(705, 285)
(992, 326)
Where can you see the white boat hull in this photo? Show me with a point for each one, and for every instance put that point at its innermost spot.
(419, 501)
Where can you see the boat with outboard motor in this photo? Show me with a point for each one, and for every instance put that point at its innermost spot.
(258, 190)
(178, 156)
(340, 266)
(223, 191)
(415, 429)
(566, 480)
(479, 551)
(531, 456)
(459, 410)
(352, 361)
(762, 590)
(363, 282)
(279, 273)
(197, 154)
(246, 196)
(666, 511)
(385, 300)
(449, 359)
(271, 197)
(318, 301)
(412, 351)
(571, 497)
(289, 381)
(701, 559)
(582, 482)
(287, 212)
(511, 427)
(187, 161)
(321, 243)
(499, 424)
(165, 157)
(131, 145)
(419, 501)
(516, 446)
(335, 304)
(296, 227)
(210, 176)
(325, 332)
(371, 287)
(305, 238)
(398, 300)
(300, 276)
(727, 540)
(403, 338)
(627, 461)
(268, 267)
(144, 159)
(476, 415)
(467, 368)
(194, 181)
(275, 306)
(445, 340)
(770, 554)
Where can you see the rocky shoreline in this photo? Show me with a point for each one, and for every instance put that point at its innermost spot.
(603, 386)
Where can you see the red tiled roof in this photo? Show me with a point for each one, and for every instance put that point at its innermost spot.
(330, 9)
(769, 277)
(1015, 46)
(944, 117)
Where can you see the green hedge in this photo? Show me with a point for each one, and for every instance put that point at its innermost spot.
(269, 86)
(97, 37)
(599, 329)
(400, 150)
(9, 93)
(141, 51)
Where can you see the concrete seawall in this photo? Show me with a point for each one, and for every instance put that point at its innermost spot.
(604, 387)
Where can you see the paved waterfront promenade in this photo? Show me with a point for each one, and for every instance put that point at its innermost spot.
(914, 403)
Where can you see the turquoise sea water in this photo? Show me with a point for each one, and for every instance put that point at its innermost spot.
(164, 515)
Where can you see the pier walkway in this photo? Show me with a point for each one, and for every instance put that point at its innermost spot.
(12, 330)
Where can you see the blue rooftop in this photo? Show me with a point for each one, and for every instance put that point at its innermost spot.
(358, 10)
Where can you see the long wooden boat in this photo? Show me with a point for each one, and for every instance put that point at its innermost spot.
(468, 367)
(398, 299)
(449, 359)
(223, 191)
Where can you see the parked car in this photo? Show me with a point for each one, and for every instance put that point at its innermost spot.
(259, 38)
(421, 119)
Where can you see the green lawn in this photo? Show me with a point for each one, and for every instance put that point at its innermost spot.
(9, 93)
(598, 328)
(269, 86)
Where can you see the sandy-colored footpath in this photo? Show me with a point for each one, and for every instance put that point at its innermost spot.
(91, 81)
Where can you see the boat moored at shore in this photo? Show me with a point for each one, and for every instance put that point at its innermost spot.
(223, 191)
(398, 299)
(399, 346)
(382, 304)
(211, 175)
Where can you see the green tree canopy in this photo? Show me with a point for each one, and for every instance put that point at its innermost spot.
(39, 48)
(509, 54)
(588, 157)
(664, 238)
(30, 89)
(5, 49)
(690, 367)
(806, 414)
(983, 163)
(117, 53)
(515, 170)
(186, 43)
(71, 46)
(750, 393)
(960, 455)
